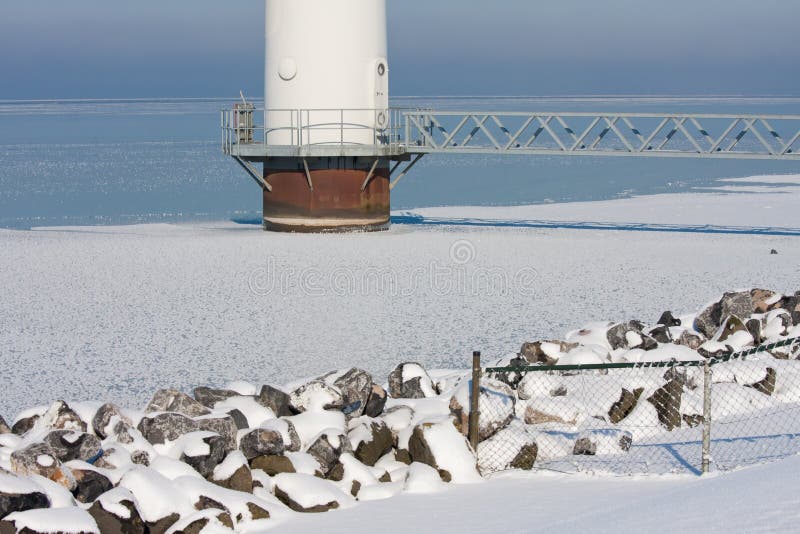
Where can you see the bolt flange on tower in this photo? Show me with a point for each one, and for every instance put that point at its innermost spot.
(327, 140)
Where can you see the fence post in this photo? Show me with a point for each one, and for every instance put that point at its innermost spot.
(474, 414)
(706, 415)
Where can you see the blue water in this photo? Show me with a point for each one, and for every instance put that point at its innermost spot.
(131, 161)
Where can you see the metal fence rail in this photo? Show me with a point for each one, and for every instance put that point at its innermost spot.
(658, 417)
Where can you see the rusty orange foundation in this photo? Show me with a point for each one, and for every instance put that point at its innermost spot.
(331, 201)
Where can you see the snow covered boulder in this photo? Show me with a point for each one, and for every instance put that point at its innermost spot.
(558, 410)
(261, 442)
(20, 494)
(107, 417)
(276, 400)
(308, 494)
(356, 387)
(667, 402)
(39, 459)
(351, 475)
(223, 425)
(422, 478)
(50, 521)
(115, 511)
(90, 485)
(287, 430)
(370, 439)
(629, 335)
(545, 352)
(4, 428)
(327, 447)
(541, 384)
(273, 465)
(59, 416)
(441, 446)
(171, 400)
(163, 427)
(710, 319)
(410, 381)
(71, 445)
(157, 499)
(376, 401)
(625, 405)
(692, 340)
(316, 396)
(204, 451)
(233, 473)
(496, 403)
(208, 397)
(511, 448)
(766, 385)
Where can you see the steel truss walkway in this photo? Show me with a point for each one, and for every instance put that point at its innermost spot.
(408, 135)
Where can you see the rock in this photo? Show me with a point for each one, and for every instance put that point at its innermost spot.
(707, 321)
(21, 427)
(514, 377)
(4, 428)
(762, 300)
(730, 326)
(69, 445)
(683, 375)
(376, 402)
(690, 339)
(163, 427)
(371, 440)
(625, 335)
(660, 334)
(273, 465)
(496, 402)
(261, 442)
(792, 305)
(171, 400)
(307, 494)
(106, 419)
(239, 419)
(710, 319)
(234, 473)
(668, 320)
(327, 448)
(208, 397)
(224, 425)
(140, 458)
(39, 459)
(59, 416)
(162, 525)
(693, 420)
(625, 405)
(756, 329)
(90, 485)
(25, 496)
(511, 448)
(535, 414)
(316, 396)
(603, 442)
(127, 522)
(291, 439)
(773, 252)
(767, 384)
(276, 400)
(410, 381)
(544, 352)
(713, 350)
(205, 463)
(356, 387)
(667, 402)
(441, 446)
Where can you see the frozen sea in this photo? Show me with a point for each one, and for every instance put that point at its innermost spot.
(133, 161)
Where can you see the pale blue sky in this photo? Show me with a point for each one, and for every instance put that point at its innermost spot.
(150, 48)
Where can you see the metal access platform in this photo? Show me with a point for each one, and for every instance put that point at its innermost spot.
(406, 135)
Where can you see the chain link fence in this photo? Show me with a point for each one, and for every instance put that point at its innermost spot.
(624, 419)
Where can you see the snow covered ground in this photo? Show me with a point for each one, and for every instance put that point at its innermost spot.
(117, 312)
(758, 499)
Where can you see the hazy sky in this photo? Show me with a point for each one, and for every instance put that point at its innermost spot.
(149, 48)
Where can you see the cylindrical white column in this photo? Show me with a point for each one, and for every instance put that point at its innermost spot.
(325, 56)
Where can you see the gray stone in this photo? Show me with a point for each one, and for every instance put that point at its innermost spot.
(415, 386)
(584, 446)
(660, 334)
(276, 400)
(24, 425)
(205, 464)
(90, 485)
(240, 480)
(302, 397)
(208, 397)
(356, 387)
(327, 448)
(710, 319)
(4, 428)
(273, 465)
(668, 320)
(163, 427)
(224, 425)
(262, 442)
(767, 384)
(171, 400)
(239, 419)
(69, 445)
(369, 451)
(376, 402)
(617, 335)
(730, 326)
(107, 416)
(20, 502)
(109, 522)
(533, 353)
(756, 329)
(39, 459)
(496, 401)
(690, 339)
(667, 402)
